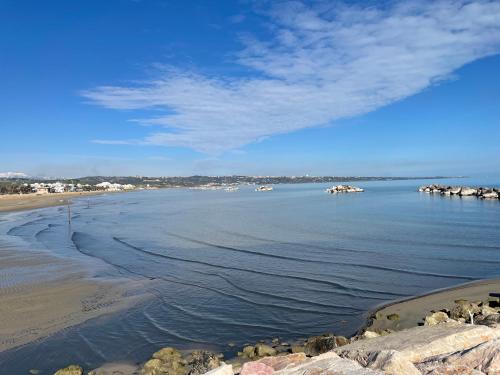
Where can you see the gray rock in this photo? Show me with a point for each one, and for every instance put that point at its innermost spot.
(484, 357)
(421, 343)
(392, 362)
(492, 320)
(320, 344)
(328, 363)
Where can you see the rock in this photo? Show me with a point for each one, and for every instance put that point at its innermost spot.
(297, 349)
(221, 370)
(344, 189)
(262, 350)
(283, 361)
(153, 367)
(486, 310)
(34, 371)
(484, 357)
(436, 318)
(393, 317)
(320, 344)
(421, 343)
(341, 340)
(391, 362)
(248, 351)
(168, 354)
(167, 361)
(256, 368)
(201, 361)
(370, 334)
(467, 192)
(70, 370)
(492, 320)
(490, 195)
(463, 309)
(328, 363)
(493, 301)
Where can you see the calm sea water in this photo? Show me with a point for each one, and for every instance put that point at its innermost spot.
(238, 267)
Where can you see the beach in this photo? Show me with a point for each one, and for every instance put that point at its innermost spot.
(412, 311)
(42, 294)
(20, 202)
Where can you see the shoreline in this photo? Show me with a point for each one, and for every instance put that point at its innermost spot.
(26, 202)
(42, 294)
(411, 310)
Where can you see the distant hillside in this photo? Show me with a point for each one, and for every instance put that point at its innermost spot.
(204, 180)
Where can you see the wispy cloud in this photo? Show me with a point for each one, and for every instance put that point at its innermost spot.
(323, 63)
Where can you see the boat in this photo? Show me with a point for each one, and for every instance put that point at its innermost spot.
(232, 188)
(264, 188)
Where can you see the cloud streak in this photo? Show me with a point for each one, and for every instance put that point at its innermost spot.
(322, 63)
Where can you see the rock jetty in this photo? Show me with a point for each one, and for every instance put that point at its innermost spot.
(464, 339)
(344, 189)
(462, 191)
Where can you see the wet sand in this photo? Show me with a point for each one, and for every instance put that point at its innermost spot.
(20, 202)
(41, 294)
(412, 311)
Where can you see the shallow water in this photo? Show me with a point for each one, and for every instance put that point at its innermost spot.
(242, 266)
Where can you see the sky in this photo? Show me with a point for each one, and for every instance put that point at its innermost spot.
(162, 88)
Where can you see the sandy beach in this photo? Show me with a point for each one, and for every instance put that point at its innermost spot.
(412, 311)
(20, 202)
(41, 294)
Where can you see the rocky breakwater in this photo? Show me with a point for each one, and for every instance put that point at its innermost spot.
(462, 191)
(344, 189)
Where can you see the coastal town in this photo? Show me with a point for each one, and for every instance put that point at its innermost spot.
(40, 188)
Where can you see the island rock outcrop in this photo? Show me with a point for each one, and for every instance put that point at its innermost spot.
(462, 191)
(344, 189)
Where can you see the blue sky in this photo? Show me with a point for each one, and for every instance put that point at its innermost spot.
(124, 87)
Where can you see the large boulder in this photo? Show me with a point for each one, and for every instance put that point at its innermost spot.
(421, 343)
(167, 361)
(463, 310)
(436, 318)
(490, 195)
(467, 191)
(392, 363)
(283, 361)
(492, 321)
(70, 370)
(263, 350)
(256, 368)
(221, 370)
(320, 344)
(484, 357)
(328, 363)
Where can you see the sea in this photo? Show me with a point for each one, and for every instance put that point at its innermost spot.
(224, 269)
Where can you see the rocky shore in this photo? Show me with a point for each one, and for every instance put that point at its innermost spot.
(462, 191)
(464, 339)
(344, 189)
